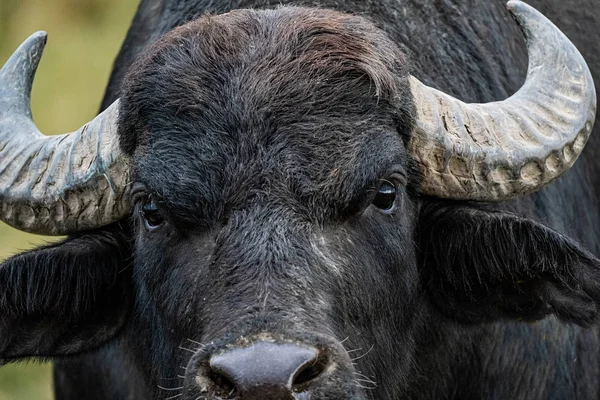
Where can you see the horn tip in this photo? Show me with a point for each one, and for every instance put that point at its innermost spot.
(519, 9)
(512, 3)
(40, 36)
(30, 51)
(35, 44)
(16, 76)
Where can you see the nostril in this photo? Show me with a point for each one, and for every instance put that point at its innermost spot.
(310, 371)
(222, 382)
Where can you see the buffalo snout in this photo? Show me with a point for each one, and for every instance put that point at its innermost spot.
(261, 368)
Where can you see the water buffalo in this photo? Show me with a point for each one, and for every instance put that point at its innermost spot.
(290, 202)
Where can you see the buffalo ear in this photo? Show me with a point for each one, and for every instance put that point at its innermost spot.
(65, 298)
(483, 265)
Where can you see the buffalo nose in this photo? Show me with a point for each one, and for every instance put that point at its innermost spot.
(267, 370)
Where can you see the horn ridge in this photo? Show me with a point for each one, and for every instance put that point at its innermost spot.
(56, 185)
(501, 150)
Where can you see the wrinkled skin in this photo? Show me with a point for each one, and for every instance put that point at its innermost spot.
(264, 157)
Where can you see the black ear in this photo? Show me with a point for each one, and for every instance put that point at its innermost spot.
(483, 265)
(65, 298)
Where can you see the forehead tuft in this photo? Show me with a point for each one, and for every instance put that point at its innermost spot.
(262, 60)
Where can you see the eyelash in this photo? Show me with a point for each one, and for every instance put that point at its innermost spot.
(151, 215)
(394, 180)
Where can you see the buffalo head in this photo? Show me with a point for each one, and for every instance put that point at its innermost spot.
(271, 205)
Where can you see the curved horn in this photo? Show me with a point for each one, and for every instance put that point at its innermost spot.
(55, 185)
(500, 150)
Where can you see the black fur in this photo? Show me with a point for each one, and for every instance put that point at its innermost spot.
(66, 297)
(262, 137)
(548, 273)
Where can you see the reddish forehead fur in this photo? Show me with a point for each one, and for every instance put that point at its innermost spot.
(317, 38)
(292, 61)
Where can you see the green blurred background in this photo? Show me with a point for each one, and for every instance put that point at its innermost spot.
(84, 37)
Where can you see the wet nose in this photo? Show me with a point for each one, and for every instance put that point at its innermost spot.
(267, 370)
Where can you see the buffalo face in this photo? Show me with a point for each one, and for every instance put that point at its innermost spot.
(287, 225)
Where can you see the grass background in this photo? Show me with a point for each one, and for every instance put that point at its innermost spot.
(84, 37)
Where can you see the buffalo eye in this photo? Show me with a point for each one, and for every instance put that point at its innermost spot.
(151, 214)
(386, 195)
